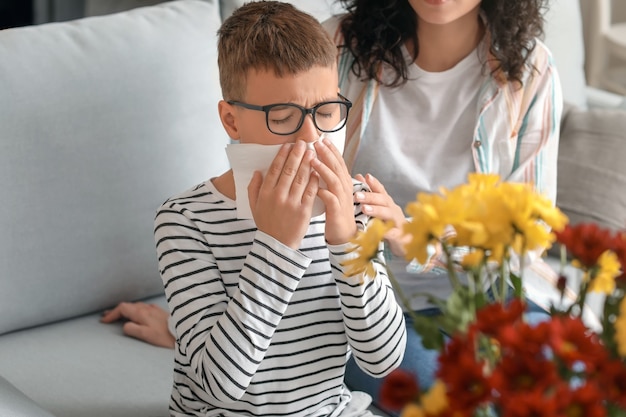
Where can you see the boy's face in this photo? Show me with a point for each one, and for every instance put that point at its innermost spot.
(306, 89)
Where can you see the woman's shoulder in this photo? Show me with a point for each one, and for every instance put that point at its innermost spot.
(539, 66)
(541, 56)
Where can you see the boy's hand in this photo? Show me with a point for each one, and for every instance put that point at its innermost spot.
(147, 322)
(282, 202)
(378, 203)
(337, 197)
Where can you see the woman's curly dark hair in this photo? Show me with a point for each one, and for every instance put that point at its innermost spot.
(374, 31)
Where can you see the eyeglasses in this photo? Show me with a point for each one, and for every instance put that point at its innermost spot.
(287, 118)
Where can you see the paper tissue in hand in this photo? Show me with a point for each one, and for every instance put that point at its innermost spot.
(245, 158)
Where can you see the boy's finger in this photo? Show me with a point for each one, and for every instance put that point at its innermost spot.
(276, 167)
(302, 178)
(312, 188)
(292, 164)
(112, 315)
(329, 154)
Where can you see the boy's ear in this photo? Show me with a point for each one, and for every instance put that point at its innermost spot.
(229, 119)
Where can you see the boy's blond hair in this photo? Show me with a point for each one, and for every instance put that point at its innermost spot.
(270, 35)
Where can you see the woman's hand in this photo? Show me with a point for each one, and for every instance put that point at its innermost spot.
(337, 194)
(378, 203)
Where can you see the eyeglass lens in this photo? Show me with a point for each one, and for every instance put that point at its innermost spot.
(286, 119)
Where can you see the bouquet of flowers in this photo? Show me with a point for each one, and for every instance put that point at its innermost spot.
(492, 361)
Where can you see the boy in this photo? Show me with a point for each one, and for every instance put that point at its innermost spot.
(264, 317)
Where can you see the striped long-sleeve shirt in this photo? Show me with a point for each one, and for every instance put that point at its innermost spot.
(261, 329)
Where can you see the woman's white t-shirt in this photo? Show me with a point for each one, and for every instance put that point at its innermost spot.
(418, 139)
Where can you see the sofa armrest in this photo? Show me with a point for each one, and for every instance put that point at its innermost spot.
(597, 98)
(14, 403)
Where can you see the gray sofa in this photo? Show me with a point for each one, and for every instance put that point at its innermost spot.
(103, 118)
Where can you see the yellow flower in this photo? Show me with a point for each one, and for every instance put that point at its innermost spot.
(473, 259)
(479, 180)
(427, 225)
(366, 244)
(412, 410)
(435, 401)
(620, 329)
(608, 269)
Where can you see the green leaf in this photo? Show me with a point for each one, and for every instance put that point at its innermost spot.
(429, 328)
(516, 281)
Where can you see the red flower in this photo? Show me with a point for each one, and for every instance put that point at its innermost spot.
(464, 376)
(515, 375)
(492, 318)
(573, 342)
(612, 380)
(585, 242)
(525, 340)
(586, 401)
(533, 402)
(398, 389)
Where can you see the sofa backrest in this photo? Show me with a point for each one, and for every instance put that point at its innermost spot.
(564, 37)
(101, 120)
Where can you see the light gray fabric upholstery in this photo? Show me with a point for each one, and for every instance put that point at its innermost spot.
(592, 172)
(564, 38)
(102, 119)
(321, 9)
(82, 368)
(14, 403)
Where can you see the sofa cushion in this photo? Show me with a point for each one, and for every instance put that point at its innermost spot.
(83, 368)
(15, 404)
(592, 173)
(102, 119)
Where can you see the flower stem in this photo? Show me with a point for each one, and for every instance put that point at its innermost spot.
(454, 279)
(502, 282)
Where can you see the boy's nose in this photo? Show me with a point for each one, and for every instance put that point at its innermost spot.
(308, 132)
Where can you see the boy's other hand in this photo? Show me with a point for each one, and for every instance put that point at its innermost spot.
(337, 197)
(282, 202)
(146, 322)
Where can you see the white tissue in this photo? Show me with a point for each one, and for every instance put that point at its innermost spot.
(245, 158)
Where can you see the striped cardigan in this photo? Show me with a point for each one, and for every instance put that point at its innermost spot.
(261, 329)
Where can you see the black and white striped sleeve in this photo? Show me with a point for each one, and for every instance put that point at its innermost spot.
(373, 318)
(224, 338)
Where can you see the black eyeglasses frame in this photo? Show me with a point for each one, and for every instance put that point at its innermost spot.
(266, 109)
